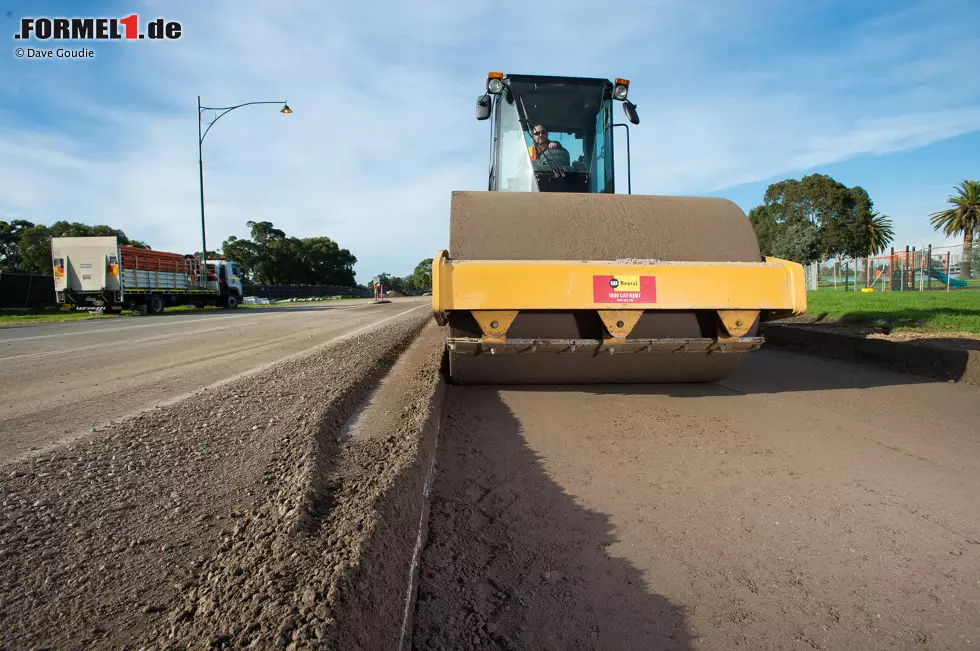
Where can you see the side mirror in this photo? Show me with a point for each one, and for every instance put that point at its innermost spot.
(630, 109)
(483, 107)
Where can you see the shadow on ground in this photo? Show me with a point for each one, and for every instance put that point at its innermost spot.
(948, 358)
(955, 343)
(513, 562)
(763, 372)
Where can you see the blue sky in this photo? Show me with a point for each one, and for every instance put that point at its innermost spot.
(732, 97)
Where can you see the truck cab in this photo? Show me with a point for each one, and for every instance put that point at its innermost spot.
(225, 277)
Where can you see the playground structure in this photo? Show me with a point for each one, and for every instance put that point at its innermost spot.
(925, 269)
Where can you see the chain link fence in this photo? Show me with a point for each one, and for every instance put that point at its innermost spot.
(949, 268)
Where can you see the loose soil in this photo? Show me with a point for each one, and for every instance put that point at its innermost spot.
(227, 520)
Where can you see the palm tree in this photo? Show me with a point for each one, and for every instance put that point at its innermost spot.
(963, 218)
(877, 236)
(880, 233)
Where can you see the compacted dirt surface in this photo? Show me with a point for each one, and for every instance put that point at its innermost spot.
(800, 504)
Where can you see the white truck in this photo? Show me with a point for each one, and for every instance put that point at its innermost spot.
(100, 274)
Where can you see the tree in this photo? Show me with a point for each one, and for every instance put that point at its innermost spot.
(212, 255)
(839, 219)
(963, 217)
(265, 236)
(245, 253)
(876, 234)
(264, 232)
(798, 242)
(422, 276)
(10, 234)
(326, 263)
(768, 229)
(817, 198)
(393, 283)
(34, 244)
(271, 257)
(35, 250)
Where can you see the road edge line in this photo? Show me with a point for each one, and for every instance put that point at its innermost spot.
(169, 402)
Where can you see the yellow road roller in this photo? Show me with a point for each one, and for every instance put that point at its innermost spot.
(553, 278)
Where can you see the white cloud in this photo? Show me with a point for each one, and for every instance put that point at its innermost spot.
(383, 128)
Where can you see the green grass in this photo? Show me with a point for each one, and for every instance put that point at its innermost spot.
(15, 316)
(928, 311)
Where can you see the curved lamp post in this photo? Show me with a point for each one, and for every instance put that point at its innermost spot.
(219, 112)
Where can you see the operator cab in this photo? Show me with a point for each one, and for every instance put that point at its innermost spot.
(575, 112)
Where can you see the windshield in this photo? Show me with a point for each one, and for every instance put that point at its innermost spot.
(553, 136)
(513, 165)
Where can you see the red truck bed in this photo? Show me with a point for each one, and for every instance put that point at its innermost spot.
(162, 261)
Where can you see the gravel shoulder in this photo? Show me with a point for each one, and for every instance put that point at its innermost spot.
(61, 380)
(208, 523)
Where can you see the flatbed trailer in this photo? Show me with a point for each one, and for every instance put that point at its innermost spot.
(98, 273)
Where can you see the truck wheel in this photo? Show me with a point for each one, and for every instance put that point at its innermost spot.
(156, 305)
(231, 301)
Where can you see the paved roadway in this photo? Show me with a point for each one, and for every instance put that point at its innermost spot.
(60, 379)
(800, 504)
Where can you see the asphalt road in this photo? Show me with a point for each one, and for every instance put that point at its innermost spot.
(59, 380)
(800, 504)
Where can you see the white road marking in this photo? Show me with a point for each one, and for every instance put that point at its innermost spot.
(214, 385)
(105, 344)
(171, 321)
(181, 333)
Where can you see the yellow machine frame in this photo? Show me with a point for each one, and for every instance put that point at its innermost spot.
(495, 291)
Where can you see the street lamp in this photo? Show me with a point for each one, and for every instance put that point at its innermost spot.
(219, 111)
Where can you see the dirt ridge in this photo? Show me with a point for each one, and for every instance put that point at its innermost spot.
(932, 358)
(317, 546)
(139, 536)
